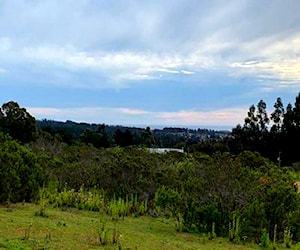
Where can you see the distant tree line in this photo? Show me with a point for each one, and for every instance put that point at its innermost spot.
(274, 135)
(101, 135)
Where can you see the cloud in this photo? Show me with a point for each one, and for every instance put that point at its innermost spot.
(276, 65)
(218, 117)
(194, 47)
(186, 72)
(128, 111)
(115, 66)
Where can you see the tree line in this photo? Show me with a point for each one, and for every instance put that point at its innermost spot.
(272, 135)
(278, 141)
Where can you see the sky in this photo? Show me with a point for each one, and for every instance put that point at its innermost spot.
(186, 63)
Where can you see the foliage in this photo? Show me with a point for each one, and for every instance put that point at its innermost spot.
(235, 228)
(19, 171)
(265, 240)
(97, 138)
(17, 122)
(276, 143)
(239, 193)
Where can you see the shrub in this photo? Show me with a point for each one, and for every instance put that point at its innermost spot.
(19, 171)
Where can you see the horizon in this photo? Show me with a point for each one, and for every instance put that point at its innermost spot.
(194, 63)
(152, 126)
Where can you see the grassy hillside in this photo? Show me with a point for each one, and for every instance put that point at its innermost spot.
(73, 229)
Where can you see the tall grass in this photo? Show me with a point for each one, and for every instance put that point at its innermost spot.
(92, 200)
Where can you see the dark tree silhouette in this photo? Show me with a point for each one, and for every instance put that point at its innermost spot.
(17, 122)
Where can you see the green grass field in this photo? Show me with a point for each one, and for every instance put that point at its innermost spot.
(20, 228)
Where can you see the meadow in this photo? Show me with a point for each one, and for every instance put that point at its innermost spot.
(22, 228)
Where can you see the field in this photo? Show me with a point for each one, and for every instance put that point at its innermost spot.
(21, 228)
(73, 229)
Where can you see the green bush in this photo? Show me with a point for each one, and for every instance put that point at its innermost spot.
(19, 171)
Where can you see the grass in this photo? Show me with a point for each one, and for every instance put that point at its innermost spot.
(73, 229)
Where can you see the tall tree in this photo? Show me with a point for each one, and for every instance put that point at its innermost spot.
(291, 133)
(123, 138)
(147, 138)
(262, 116)
(277, 116)
(96, 138)
(288, 119)
(296, 111)
(251, 120)
(17, 122)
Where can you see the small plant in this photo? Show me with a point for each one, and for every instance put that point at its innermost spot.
(42, 203)
(213, 234)
(47, 240)
(27, 232)
(8, 205)
(42, 208)
(178, 222)
(48, 237)
(287, 237)
(265, 240)
(115, 236)
(103, 236)
(274, 236)
(231, 231)
(234, 229)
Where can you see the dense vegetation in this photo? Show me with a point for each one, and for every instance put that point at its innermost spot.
(101, 135)
(233, 187)
(273, 136)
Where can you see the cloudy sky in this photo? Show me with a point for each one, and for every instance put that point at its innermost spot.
(138, 62)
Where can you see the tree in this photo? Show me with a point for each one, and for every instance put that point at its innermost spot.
(296, 111)
(96, 138)
(288, 119)
(17, 122)
(123, 138)
(147, 138)
(291, 132)
(251, 129)
(251, 120)
(277, 116)
(275, 140)
(262, 117)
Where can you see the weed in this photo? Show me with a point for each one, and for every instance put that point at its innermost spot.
(265, 240)
(8, 205)
(212, 234)
(42, 208)
(43, 201)
(274, 236)
(27, 232)
(115, 235)
(178, 222)
(234, 228)
(103, 236)
(287, 237)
